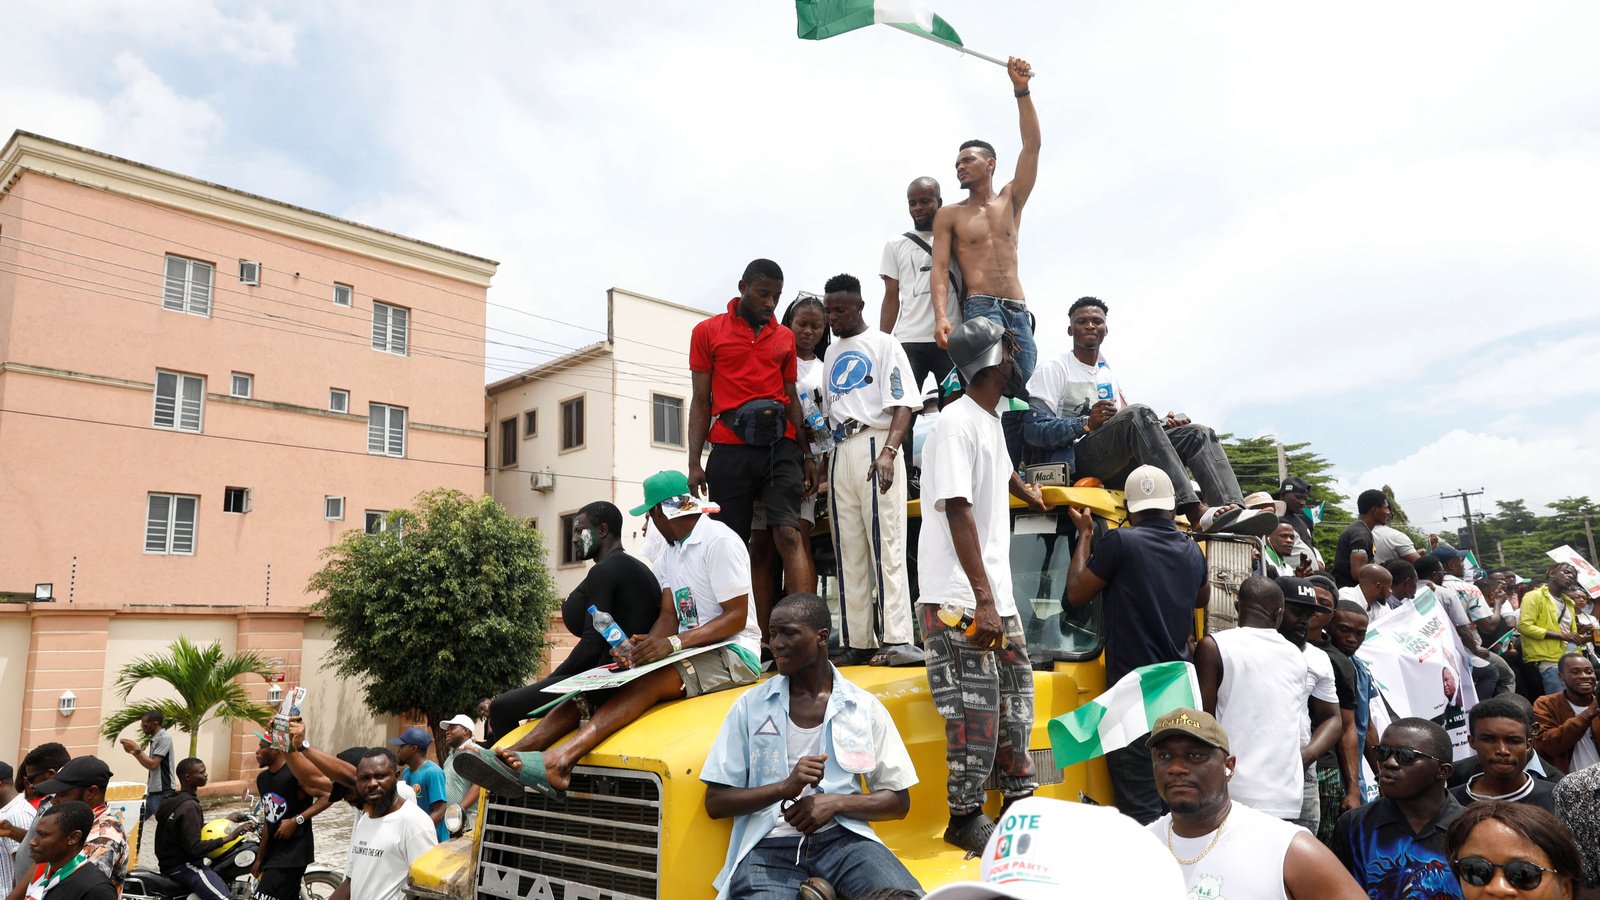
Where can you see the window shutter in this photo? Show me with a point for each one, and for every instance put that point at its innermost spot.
(399, 329)
(193, 397)
(166, 400)
(200, 288)
(397, 431)
(183, 525)
(174, 293)
(377, 424)
(155, 525)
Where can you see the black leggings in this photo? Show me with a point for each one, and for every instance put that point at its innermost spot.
(508, 710)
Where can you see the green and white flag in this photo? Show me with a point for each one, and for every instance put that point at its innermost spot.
(821, 19)
(1121, 715)
(1314, 513)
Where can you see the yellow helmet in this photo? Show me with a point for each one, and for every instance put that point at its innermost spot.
(217, 828)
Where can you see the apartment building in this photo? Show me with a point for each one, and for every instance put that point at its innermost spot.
(593, 424)
(200, 390)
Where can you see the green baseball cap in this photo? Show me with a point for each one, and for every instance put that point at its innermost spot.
(663, 485)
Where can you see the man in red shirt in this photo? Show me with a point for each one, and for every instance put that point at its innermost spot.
(744, 400)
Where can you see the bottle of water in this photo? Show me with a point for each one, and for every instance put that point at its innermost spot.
(954, 615)
(1102, 382)
(607, 626)
(821, 434)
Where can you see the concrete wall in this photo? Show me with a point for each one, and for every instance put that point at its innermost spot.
(14, 639)
(335, 714)
(129, 638)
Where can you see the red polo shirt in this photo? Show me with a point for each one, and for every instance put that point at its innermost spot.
(743, 365)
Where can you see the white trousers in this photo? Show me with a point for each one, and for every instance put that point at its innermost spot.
(869, 542)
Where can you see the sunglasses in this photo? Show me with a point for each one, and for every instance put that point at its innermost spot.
(1405, 756)
(1520, 874)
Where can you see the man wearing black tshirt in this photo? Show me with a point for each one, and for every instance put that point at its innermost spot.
(58, 840)
(619, 584)
(287, 843)
(1153, 578)
(1356, 547)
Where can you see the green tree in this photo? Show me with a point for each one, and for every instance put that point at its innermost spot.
(206, 681)
(1402, 522)
(1255, 463)
(446, 605)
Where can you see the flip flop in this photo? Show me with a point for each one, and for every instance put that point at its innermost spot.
(898, 655)
(534, 774)
(485, 769)
(972, 836)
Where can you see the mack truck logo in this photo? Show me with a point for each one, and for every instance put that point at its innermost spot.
(511, 884)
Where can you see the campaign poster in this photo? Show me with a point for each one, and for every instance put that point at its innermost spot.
(1588, 575)
(1421, 668)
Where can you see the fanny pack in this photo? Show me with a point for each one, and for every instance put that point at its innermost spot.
(759, 423)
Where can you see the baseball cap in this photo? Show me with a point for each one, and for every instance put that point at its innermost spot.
(1294, 484)
(1148, 488)
(81, 771)
(1297, 590)
(669, 489)
(976, 345)
(416, 737)
(462, 719)
(1052, 848)
(1445, 551)
(1192, 722)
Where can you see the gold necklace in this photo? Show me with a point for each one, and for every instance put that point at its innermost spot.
(1209, 847)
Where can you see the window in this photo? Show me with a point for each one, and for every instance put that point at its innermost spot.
(249, 272)
(375, 522)
(386, 430)
(568, 555)
(236, 500)
(180, 401)
(508, 442)
(242, 385)
(169, 524)
(390, 325)
(338, 400)
(188, 287)
(572, 423)
(666, 420)
(343, 294)
(333, 509)
(530, 423)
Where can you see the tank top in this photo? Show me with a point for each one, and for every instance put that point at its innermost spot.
(1260, 704)
(1245, 864)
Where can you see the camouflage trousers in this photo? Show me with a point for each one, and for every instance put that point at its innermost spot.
(986, 698)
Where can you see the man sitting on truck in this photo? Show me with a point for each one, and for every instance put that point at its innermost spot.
(787, 768)
(705, 604)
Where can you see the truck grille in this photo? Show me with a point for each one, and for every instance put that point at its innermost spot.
(600, 843)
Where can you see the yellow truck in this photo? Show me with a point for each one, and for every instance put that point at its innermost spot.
(634, 825)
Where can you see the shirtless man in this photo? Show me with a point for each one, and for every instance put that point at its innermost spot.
(982, 232)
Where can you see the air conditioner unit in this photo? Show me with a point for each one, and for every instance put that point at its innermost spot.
(249, 272)
(542, 481)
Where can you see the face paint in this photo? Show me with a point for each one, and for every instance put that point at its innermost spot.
(586, 544)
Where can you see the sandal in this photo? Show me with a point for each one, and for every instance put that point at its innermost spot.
(972, 835)
(484, 768)
(534, 774)
(898, 655)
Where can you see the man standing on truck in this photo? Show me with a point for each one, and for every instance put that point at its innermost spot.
(788, 767)
(907, 271)
(964, 556)
(705, 603)
(980, 233)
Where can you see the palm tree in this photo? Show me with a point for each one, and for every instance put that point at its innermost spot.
(204, 679)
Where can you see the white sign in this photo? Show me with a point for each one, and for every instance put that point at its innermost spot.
(1588, 575)
(1421, 668)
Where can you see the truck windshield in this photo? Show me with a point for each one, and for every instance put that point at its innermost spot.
(1039, 559)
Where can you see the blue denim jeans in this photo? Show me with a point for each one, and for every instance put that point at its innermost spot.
(1019, 323)
(854, 865)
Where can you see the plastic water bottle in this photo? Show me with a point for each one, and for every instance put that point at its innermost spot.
(954, 615)
(1102, 382)
(607, 626)
(821, 434)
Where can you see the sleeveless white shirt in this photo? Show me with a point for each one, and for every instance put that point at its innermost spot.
(1260, 704)
(1246, 863)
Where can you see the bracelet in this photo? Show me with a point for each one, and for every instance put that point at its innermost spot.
(892, 449)
(1022, 93)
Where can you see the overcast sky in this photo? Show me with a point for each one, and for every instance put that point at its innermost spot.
(1365, 225)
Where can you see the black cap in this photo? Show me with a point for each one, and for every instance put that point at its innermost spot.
(351, 755)
(1297, 590)
(82, 771)
(1292, 484)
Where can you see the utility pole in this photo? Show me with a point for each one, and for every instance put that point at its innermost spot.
(1588, 530)
(1283, 475)
(1500, 548)
(1466, 513)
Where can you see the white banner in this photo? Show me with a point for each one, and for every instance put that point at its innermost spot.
(1421, 668)
(1588, 575)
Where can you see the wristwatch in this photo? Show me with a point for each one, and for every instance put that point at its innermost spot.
(675, 642)
(299, 820)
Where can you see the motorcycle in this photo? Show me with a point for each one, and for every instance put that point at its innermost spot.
(233, 861)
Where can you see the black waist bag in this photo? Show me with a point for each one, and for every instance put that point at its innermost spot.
(759, 423)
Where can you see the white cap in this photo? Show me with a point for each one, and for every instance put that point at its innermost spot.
(461, 720)
(1047, 849)
(1148, 488)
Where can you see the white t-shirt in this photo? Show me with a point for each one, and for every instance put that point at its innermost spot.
(800, 742)
(1390, 543)
(965, 458)
(1319, 685)
(1263, 695)
(912, 267)
(1584, 753)
(1247, 861)
(808, 378)
(868, 378)
(1067, 386)
(382, 851)
(708, 568)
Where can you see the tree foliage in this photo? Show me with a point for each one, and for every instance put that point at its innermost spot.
(1523, 536)
(445, 606)
(206, 681)
(1255, 464)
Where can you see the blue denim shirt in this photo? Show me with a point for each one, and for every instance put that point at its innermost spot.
(752, 750)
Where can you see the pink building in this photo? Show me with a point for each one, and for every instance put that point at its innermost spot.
(200, 389)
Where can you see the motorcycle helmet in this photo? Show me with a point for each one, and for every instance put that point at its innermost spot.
(217, 828)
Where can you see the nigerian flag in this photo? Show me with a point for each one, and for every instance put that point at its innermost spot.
(821, 19)
(1118, 717)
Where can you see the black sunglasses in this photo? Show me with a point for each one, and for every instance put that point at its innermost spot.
(1405, 756)
(1520, 874)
